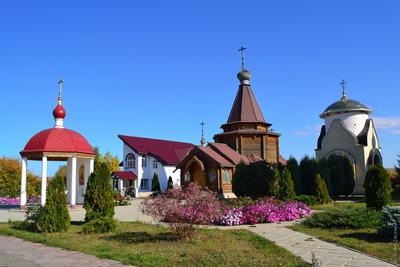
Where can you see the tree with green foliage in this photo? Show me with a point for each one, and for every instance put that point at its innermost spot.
(54, 216)
(111, 161)
(308, 170)
(273, 188)
(252, 180)
(286, 187)
(377, 187)
(323, 170)
(341, 175)
(10, 179)
(293, 167)
(321, 190)
(155, 183)
(99, 202)
(397, 167)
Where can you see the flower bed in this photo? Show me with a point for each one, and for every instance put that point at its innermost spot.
(15, 201)
(264, 211)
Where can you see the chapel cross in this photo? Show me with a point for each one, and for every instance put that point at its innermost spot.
(343, 84)
(242, 51)
(60, 84)
(203, 140)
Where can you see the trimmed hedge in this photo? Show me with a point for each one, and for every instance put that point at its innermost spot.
(377, 187)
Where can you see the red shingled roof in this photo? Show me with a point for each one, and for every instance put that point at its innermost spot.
(124, 175)
(167, 152)
(58, 140)
(245, 107)
(215, 156)
(228, 153)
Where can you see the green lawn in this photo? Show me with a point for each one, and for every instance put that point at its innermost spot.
(347, 203)
(149, 245)
(365, 240)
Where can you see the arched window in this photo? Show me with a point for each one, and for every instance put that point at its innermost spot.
(81, 175)
(130, 161)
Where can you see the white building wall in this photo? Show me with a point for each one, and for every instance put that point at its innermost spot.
(352, 121)
(147, 172)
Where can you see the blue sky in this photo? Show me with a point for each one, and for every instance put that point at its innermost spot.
(159, 68)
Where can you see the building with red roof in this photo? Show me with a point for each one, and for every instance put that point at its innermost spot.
(144, 157)
(59, 144)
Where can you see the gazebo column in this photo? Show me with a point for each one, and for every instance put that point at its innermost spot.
(44, 180)
(23, 182)
(72, 201)
(120, 185)
(91, 164)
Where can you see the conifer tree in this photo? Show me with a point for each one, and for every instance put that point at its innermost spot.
(286, 186)
(155, 183)
(273, 188)
(54, 216)
(377, 187)
(321, 190)
(293, 167)
(99, 202)
(170, 183)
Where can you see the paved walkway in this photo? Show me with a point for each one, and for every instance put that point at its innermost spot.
(303, 245)
(16, 252)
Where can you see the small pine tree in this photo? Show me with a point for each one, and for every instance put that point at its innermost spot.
(99, 202)
(308, 168)
(377, 187)
(155, 183)
(170, 183)
(321, 190)
(293, 167)
(273, 188)
(286, 186)
(54, 216)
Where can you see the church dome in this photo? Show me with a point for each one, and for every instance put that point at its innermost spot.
(243, 75)
(59, 112)
(58, 140)
(345, 105)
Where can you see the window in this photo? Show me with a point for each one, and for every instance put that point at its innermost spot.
(187, 177)
(130, 161)
(82, 175)
(144, 184)
(144, 161)
(226, 175)
(155, 164)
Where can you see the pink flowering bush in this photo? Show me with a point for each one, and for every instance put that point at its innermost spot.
(184, 208)
(264, 210)
(13, 201)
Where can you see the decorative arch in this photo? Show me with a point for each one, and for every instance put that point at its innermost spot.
(375, 157)
(343, 153)
(130, 161)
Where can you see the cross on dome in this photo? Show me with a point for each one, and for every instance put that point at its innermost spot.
(343, 84)
(242, 51)
(60, 84)
(59, 112)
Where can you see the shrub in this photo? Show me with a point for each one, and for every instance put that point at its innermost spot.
(155, 183)
(252, 180)
(377, 187)
(308, 170)
(286, 187)
(99, 202)
(170, 183)
(293, 167)
(184, 208)
(397, 167)
(307, 199)
(238, 202)
(121, 200)
(54, 216)
(390, 220)
(321, 191)
(273, 189)
(323, 170)
(341, 175)
(345, 217)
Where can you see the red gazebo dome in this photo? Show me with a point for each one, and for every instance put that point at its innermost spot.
(59, 112)
(58, 140)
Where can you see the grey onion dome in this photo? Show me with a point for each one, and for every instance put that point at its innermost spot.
(244, 76)
(345, 105)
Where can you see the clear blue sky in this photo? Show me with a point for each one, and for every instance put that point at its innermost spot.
(159, 68)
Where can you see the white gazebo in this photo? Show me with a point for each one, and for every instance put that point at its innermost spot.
(60, 144)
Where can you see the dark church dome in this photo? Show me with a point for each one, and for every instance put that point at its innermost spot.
(345, 105)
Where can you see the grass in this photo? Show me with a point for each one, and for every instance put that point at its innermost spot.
(149, 245)
(321, 207)
(366, 240)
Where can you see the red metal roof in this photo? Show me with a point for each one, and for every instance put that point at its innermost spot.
(245, 107)
(215, 156)
(228, 153)
(58, 140)
(124, 175)
(167, 152)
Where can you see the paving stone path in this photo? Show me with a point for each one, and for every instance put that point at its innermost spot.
(16, 252)
(303, 245)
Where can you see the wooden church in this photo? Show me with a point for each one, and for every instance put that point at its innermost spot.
(246, 138)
